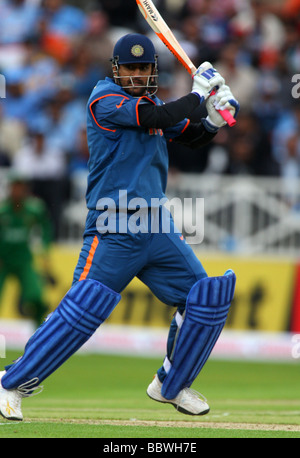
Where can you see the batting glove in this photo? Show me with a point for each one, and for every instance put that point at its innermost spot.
(205, 80)
(223, 99)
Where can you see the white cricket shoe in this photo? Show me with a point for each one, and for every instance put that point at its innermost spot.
(10, 403)
(187, 401)
(10, 400)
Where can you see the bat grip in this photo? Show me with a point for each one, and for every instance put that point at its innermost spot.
(226, 115)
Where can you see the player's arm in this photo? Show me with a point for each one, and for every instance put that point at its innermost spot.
(194, 136)
(169, 114)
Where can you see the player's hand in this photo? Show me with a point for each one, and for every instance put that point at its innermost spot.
(205, 80)
(223, 99)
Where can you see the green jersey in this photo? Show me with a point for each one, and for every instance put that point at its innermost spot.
(18, 226)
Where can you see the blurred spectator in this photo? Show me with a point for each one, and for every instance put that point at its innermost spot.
(286, 143)
(120, 13)
(209, 23)
(39, 71)
(286, 8)
(18, 21)
(11, 134)
(35, 160)
(5, 160)
(291, 46)
(264, 31)
(30, 85)
(18, 104)
(97, 40)
(239, 74)
(290, 169)
(245, 150)
(83, 71)
(63, 19)
(79, 156)
(242, 156)
(78, 167)
(267, 104)
(60, 25)
(62, 115)
(45, 169)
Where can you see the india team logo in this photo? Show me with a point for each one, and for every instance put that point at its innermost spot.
(137, 50)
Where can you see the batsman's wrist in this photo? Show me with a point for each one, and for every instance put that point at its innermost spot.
(209, 125)
(201, 97)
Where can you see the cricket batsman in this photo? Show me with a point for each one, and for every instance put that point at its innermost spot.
(128, 128)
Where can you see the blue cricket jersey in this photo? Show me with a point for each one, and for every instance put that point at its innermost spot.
(123, 155)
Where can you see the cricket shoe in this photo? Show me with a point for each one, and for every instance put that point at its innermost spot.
(187, 401)
(10, 400)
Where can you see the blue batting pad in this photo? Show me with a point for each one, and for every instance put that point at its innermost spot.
(85, 306)
(206, 311)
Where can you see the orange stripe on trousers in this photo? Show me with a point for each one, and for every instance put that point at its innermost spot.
(89, 260)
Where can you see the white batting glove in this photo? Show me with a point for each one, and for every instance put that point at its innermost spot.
(223, 99)
(205, 80)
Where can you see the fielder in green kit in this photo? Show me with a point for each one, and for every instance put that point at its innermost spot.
(20, 215)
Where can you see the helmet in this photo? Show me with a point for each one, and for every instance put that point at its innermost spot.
(135, 48)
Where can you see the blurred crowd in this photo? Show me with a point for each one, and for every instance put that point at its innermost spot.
(52, 53)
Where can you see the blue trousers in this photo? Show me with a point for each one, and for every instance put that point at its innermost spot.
(162, 261)
(107, 263)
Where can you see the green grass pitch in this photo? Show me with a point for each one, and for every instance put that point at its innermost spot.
(104, 396)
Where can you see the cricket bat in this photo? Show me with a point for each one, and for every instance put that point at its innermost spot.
(164, 33)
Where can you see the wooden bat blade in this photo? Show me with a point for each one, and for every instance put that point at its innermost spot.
(162, 30)
(164, 33)
(178, 52)
(150, 15)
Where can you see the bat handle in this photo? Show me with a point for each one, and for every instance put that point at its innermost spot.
(226, 115)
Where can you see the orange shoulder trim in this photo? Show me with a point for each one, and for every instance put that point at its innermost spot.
(118, 106)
